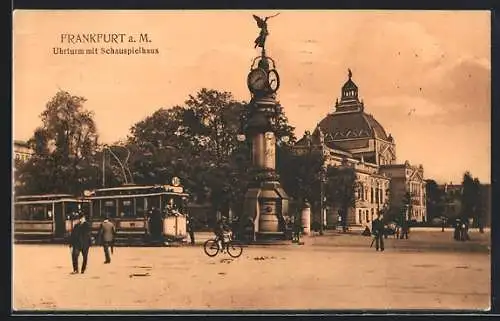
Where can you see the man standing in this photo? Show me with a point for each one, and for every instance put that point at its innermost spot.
(107, 233)
(80, 241)
(297, 229)
(378, 232)
(405, 228)
(190, 228)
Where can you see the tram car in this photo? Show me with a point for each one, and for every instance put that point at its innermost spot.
(151, 213)
(47, 217)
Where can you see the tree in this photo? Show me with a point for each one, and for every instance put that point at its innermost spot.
(471, 198)
(408, 206)
(300, 174)
(435, 199)
(341, 190)
(64, 147)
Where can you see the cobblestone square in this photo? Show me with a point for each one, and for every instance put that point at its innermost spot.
(428, 271)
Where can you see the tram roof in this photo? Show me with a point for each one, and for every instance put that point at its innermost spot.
(44, 196)
(51, 200)
(131, 187)
(96, 197)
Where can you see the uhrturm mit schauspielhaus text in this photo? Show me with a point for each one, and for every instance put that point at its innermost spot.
(106, 51)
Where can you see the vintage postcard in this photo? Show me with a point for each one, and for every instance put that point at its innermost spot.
(229, 160)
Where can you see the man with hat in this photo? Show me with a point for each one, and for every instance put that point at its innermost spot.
(378, 232)
(107, 233)
(80, 241)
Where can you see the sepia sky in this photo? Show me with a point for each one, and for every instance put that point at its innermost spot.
(424, 75)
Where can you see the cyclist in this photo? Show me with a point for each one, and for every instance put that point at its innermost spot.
(221, 227)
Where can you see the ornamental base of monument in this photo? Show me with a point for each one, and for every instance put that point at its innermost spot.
(267, 207)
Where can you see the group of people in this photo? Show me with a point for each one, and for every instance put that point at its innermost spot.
(380, 231)
(461, 231)
(81, 240)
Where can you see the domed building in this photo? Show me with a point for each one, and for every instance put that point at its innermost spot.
(350, 137)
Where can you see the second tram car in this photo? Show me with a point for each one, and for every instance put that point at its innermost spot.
(152, 212)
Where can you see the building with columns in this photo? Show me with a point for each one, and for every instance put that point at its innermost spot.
(350, 137)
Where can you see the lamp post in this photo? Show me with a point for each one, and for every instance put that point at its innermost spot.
(322, 195)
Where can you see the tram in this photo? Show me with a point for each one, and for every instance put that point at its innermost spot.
(49, 216)
(143, 212)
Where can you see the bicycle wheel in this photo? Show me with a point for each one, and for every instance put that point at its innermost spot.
(211, 248)
(234, 249)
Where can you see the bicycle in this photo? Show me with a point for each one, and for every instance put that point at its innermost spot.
(233, 247)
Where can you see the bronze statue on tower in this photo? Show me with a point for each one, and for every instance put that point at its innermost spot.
(260, 41)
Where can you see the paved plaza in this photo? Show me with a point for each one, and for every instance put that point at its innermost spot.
(428, 271)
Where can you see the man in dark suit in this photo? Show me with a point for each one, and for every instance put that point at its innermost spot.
(107, 233)
(190, 228)
(80, 241)
(378, 232)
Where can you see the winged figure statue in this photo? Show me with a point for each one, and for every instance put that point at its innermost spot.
(262, 24)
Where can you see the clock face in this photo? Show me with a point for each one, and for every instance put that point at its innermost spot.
(257, 79)
(273, 80)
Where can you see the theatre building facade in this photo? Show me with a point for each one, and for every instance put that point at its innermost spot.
(350, 137)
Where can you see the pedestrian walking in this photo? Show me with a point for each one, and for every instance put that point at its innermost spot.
(80, 241)
(378, 232)
(107, 232)
(405, 228)
(297, 229)
(457, 231)
(190, 228)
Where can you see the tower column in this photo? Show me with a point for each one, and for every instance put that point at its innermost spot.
(266, 203)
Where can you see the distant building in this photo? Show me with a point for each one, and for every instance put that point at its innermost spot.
(453, 201)
(350, 137)
(22, 151)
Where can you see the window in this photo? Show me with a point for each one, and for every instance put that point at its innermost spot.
(126, 208)
(71, 210)
(22, 212)
(139, 207)
(109, 208)
(40, 212)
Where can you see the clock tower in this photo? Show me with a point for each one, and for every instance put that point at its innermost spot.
(266, 203)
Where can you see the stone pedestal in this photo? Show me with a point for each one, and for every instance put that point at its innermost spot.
(265, 205)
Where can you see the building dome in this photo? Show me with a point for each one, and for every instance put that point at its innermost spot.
(351, 129)
(349, 120)
(358, 124)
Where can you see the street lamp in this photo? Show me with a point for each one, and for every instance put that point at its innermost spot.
(322, 195)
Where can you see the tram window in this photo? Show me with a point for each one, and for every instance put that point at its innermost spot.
(22, 212)
(139, 206)
(71, 210)
(40, 212)
(126, 208)
(110, 208)
(153, 201)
